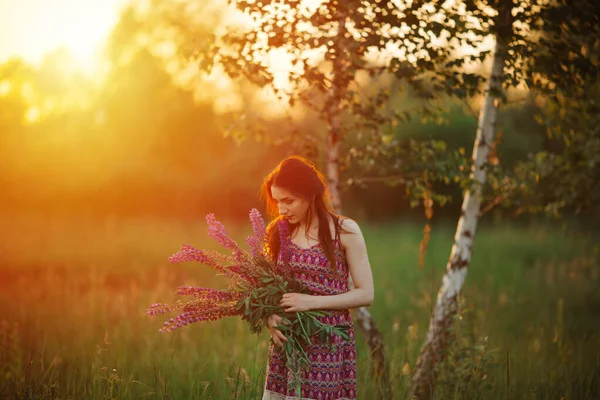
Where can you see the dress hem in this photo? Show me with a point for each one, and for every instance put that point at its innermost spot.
(270, 395)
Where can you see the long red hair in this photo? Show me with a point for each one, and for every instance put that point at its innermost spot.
(299, 176)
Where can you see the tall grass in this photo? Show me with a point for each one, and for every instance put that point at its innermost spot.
(73, 296)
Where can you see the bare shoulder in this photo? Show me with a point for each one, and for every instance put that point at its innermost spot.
(349, 226)
(351, 235)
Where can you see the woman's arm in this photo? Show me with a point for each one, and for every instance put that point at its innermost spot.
(360, 270)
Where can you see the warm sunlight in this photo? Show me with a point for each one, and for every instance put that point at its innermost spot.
(33, 28)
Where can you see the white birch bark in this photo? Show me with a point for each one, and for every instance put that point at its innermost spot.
(363, 317)
(456, 270)
(332, 167)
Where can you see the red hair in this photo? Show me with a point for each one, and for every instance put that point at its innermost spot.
(299, 176)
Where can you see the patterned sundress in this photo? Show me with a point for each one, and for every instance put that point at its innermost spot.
(332, 372)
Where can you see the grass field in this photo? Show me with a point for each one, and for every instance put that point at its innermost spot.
(73, 295)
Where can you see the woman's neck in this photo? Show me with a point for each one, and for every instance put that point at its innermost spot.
(304, 226)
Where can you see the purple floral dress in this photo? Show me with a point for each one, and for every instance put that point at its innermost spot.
(332, 372)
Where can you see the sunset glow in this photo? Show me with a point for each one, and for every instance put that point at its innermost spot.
(33, 28)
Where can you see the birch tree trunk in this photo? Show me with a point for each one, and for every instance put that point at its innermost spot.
(332, 167)
(363, 317)
(435, 344)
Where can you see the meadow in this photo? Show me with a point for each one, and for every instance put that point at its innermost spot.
(74, 291)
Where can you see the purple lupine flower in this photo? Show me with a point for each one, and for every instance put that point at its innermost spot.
(246, 272)
(213, 295)
(256, 241)
(217, 231)
(197, 315)
(240, 267)
(258, 224)
(221, 258)
(284, 238)
(213, 259)
(190, 253)
(255, 246)
(158, 309)
(235, 268)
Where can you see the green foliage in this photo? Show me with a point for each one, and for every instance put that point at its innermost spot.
(255, 287)
(522, 178)
(562, 178)
(518, 276)
(416, 165)
(263, 301)
(567, 47)
(11, 367)
(333, 77)
(300, 328)
(468, 360)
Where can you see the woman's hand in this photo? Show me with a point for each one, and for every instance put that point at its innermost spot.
(295, 302)
(276, 334)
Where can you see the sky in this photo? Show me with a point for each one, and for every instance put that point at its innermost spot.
(31, 28)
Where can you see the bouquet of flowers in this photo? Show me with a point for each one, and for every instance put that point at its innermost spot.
(255, 287)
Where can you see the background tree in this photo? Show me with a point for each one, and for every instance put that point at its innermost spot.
(542, 46)
(456, 270)
(563, 178)
(330, 49)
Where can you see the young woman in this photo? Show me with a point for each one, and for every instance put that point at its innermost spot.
(324, 248)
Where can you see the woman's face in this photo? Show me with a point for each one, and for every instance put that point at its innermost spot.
(292, 207)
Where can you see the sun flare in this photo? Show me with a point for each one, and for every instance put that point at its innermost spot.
(33, 28)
